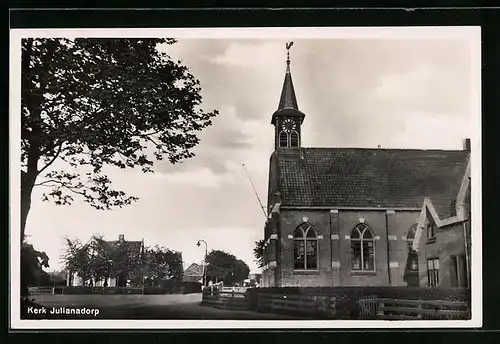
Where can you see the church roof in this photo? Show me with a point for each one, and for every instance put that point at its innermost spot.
(357, 177)
(288, 100)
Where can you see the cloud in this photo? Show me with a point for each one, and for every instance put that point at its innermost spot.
(251, 54)
(203, 178)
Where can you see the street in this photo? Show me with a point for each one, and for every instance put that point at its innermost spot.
(174, 306)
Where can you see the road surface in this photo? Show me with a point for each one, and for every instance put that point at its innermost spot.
(175, 306)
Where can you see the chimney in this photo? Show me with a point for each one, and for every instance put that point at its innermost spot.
(467, 145)
(121, 237)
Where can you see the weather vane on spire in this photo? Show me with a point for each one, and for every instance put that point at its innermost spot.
(288, 46)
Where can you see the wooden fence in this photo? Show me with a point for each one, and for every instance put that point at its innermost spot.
(98, 290)
(41, 290)
(303, 304)
(394, 309)
(227, 298)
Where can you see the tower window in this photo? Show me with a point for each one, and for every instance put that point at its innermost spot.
(294, 139)
(283, 139)
(362, 248)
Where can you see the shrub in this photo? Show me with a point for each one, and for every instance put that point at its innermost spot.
(190, 287)
(81, 290)
(174, 288)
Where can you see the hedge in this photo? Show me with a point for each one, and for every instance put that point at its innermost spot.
(173, 288)
(80, 290)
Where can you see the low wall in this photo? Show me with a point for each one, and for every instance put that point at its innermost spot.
(41, 290)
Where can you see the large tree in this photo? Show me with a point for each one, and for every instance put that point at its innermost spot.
(98, 259)
(77, 259)
(88, 103)
(162, 264)
(223, 266)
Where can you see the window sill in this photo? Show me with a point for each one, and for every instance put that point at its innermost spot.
(363, 273)
(305, 272)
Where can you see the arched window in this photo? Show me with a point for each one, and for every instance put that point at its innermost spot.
(294, 139)
(283, 139)
(305, 249)
(412, 254)
(362, 248)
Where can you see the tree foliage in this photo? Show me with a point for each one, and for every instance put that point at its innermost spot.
(99, 260)
(162, 264)
(258, 253)
(124, 260)
(76, 258)
(88, 103)
(222, 266)
(32, 264)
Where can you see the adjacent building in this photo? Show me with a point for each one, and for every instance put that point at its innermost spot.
(194, 273)
(363, 216)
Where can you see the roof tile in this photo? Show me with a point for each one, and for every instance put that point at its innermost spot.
(357, 177)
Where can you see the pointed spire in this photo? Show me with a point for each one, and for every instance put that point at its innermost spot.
(288, 100)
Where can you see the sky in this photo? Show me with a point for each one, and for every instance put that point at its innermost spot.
(396, 93)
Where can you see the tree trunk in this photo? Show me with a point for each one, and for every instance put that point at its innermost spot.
(27, 182)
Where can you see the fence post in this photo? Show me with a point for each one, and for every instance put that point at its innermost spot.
(419, 307)
(53, 290)
(380, 310)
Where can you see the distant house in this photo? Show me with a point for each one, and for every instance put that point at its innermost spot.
(194, 273)
(119, 250)
(255, 277)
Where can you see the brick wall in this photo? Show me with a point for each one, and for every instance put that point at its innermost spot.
(398, 225)
(376, 221)
(334, 248)
(321, 222)
(449, 242)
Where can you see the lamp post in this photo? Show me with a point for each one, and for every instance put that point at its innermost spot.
(204, 260)
(110, 267)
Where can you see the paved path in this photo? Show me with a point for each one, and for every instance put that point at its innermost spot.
(150, 307)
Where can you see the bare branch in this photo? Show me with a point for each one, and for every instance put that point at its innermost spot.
(45, 182)
(53, 158)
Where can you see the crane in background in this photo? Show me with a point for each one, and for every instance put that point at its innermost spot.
(255, 190)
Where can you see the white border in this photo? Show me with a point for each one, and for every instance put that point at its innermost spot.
(473, 34)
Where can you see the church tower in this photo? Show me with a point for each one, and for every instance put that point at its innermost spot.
(287, 120)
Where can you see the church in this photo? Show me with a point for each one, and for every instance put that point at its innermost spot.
(363, 216)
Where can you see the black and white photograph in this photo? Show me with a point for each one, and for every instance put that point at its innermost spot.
(245, 178)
